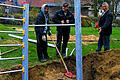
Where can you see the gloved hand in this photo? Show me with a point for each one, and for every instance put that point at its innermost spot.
(49, 33)
(43, 37)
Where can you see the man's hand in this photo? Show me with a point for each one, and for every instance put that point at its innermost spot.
(43, 37)
(49, 33)
(67, 21)
(62, 22)
(100, 29)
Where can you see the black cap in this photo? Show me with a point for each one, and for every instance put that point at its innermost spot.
(65, 5)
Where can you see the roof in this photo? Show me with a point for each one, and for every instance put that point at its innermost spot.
(39, 3)
(56, 4)
(7, 2)
(21, 1)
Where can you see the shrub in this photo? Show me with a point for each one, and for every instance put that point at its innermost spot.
(86, 21)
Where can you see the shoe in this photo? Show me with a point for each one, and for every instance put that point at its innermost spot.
(63, 54)
(49, 57)
(98, 50)
(57, 56)
(43, 60)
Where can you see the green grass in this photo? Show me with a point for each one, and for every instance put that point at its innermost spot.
(32, 53)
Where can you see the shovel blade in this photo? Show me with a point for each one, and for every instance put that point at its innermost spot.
(70, 75)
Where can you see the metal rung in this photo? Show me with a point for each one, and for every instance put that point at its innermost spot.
(11, 71)
(11, 45)
(55, 25)
(10, 5)
(11, 58)
(10, 32)
(11, 19)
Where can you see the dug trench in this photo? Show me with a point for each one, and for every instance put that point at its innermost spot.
(96, 66)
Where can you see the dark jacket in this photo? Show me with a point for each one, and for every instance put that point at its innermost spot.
(59, 16)
(42, 18)
(105, 23)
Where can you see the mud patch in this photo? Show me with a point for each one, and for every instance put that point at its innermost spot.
(96, 66)
(86, 39)
(21, 29)
(11, 41)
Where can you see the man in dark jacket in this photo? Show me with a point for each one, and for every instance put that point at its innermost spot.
(41, 33)
(63, 16)
(105, 28)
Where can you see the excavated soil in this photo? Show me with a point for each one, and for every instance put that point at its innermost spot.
(96, 66)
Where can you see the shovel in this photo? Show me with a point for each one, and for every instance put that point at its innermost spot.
(68, 74)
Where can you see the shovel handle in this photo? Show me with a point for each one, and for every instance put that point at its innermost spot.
(59, 54)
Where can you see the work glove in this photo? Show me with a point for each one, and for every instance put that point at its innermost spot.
(43, 37)
(49, 33)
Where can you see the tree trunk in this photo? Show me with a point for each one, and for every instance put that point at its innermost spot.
(95, 8)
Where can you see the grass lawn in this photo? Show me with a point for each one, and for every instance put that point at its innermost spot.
(32, 54)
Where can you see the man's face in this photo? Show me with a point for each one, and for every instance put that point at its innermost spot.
(65, 8)
(104, 7)
(46, 10)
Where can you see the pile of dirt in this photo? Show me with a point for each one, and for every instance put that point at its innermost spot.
(102, 66)
(52, 70)
(96, 66)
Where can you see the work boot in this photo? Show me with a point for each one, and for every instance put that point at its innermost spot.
(49, 57)
(43, 60)
(57, 56)
(63, 54)
(98, 50)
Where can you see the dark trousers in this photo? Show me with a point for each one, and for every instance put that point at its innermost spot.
(65, 36)
(41, 46)
(104, 40)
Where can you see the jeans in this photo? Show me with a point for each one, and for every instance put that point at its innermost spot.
(104, 40)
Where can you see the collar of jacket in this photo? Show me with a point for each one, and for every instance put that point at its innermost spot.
(64, 12)
(105, 13)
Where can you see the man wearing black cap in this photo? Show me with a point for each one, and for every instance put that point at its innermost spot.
(63, 16)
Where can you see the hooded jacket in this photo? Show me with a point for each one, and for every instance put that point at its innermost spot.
(42, 18)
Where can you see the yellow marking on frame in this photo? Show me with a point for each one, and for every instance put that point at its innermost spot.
(23, 57)
(23, 70)
(23, 32)
(23, 8)
(23, 45)
(23, 20)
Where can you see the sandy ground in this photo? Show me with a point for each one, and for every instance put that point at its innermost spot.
(96, 66)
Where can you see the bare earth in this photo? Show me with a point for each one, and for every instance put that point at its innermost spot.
(96, 66)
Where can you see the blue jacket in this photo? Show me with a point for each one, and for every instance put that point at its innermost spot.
(42, 18)
(105, 23)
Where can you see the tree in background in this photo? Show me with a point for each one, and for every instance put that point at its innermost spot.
(112, 4)
(70, 2)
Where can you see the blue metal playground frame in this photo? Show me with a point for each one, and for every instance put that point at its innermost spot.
(79, 71)
(24, 45)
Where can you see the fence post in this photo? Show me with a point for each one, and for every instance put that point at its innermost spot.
(78, 39)
(25, 40)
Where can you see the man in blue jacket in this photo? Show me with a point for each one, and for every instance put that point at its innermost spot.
(63, 16)
(41, 33)
(105, 28)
